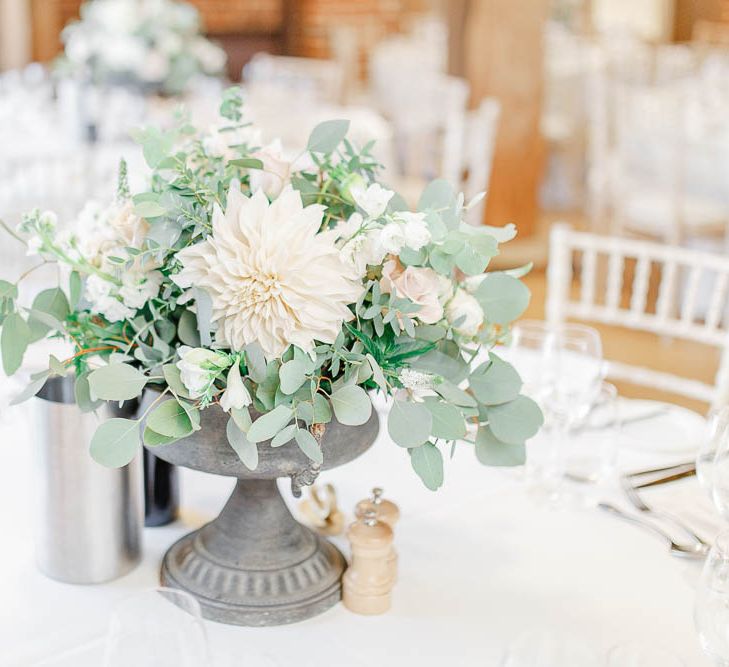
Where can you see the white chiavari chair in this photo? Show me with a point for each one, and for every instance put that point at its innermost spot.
(601, 299)
(478, 153)
(290, 80)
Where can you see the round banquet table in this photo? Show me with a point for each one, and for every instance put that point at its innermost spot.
(480, 562)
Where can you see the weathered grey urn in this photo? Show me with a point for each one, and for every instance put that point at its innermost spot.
(255, 564)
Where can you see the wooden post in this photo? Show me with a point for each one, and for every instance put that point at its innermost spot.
(504, 59)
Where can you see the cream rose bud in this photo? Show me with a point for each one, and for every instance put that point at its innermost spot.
(198, 368)
(236, 395)
(276, 172)
(374, 200)
(415, 229)
(464, 313)
(422, 286)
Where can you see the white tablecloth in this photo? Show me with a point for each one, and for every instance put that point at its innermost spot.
(480, 562)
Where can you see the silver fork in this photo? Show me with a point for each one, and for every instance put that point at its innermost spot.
(641, 506)
(697, 550)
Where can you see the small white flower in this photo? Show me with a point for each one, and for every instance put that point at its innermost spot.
(235, 395)
(276, 172)
(34, 245)
(412, 379)
(374, 200)
(415, 229)
(139, 287)
(392, 238)
(464, 313)
(198, 368)
(99, 294)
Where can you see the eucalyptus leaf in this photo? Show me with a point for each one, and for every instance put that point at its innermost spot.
(115, 442)
(409, 424)
(246, 450)
(154, 439)
(116, 382)
(284, 436)
(322, 413)
(52, 302)
(14, 341)
(491, 451)
(74, 288)
(427, 462)
(516, 421)
(247, 163)
(307, 443)
(502, 297)
(352, 405)
(292, 375)
(187, 329)
(438, 194)
(8, 290)
(500, 383)
(268, 425)
(438, 363)
(35, 385)
(204, 315)
(174, 380)
(82, 393)
(149, 209)
(326, 136)
(171, 419)
(454, 395)
(242, 418)
(448, 422)
(255, 362)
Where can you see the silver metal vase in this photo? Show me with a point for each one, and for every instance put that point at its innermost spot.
(255, 564)
(89, 518)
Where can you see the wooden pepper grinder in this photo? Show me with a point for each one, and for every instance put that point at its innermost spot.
(367, 583)
(386, 511)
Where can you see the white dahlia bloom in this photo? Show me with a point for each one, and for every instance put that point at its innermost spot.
(271, 277)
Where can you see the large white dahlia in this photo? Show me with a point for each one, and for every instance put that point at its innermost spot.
(271, 277)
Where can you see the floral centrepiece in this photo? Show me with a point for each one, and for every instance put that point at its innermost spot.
(282, 292)
(155, 44)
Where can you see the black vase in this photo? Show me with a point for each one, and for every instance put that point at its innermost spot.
(161, 491)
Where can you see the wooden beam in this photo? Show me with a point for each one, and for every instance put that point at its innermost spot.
(504, 59)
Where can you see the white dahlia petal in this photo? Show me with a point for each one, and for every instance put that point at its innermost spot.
(271, 277)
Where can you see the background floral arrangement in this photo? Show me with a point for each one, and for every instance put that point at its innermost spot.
(155, 44)
(241, 280)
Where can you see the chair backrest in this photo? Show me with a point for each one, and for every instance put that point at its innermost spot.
(686, 276)
(478, 153)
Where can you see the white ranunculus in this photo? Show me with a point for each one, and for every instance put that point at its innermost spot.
(276, 172)
(211, 57)
(464, 307)
(272, 278)
(155, 67)
(236, 395)
(415, 229)
(374, 200)
(198, 368)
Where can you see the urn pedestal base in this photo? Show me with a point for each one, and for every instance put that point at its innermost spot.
(255, 564)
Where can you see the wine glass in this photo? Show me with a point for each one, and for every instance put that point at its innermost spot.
(717, 426)
(639, 654)
(591, 448)
(162, 627)
(547, 649)
(711, 612)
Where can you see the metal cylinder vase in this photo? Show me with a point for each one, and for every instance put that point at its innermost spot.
(89, 518)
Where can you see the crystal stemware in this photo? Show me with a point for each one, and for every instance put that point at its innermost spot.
(711, 612)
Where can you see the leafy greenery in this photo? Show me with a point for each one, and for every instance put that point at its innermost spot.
(446, 380)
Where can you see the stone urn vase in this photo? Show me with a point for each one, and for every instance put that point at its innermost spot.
(255, 564)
